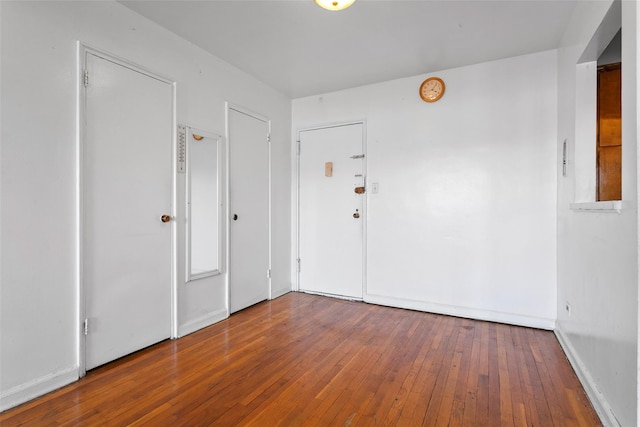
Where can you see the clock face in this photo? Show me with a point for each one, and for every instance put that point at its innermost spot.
(432, 89)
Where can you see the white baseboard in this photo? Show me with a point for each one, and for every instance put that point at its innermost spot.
(202, 322)
(30, 390)
(466, 312)
(304, 291)
(275, 293)
(599, 402)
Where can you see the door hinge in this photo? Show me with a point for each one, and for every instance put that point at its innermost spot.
(269, 137)
(298, 261)
(358, 156)
(269, 273)
(85, 326)
(86, 78)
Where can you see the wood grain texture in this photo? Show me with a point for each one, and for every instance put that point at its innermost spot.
(309, 360)
(609, 133)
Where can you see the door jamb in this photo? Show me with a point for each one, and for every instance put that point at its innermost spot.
(296, 201)
(82, 50)
(227, 107)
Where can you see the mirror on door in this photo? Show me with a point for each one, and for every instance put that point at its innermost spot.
(203, 203)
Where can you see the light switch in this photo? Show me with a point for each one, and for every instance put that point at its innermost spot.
(374, 188)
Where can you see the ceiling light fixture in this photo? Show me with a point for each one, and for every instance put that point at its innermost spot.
(334, 5)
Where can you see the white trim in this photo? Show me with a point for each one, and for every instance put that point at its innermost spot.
(466, 312)
(600, 404)
(325, 294)
(82, 51)
(331, 125)
(280, 292)
(365, 206)
(108, 56)
(614, 206)
(226, 211)
(202, 322)
(295, 219)
(248, 112)
(174, 211)
(80, 129)
(30, 390)
(269, 231)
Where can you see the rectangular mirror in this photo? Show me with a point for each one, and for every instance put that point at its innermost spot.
(203, 203)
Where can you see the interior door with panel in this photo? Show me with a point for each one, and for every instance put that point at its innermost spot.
(331, 210)
(249, 240)
(126, 203)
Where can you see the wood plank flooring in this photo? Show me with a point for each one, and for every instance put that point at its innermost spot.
(306, 360)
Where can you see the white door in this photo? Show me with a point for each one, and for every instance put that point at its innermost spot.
(331, 212)
(249, 207)
(127, 185)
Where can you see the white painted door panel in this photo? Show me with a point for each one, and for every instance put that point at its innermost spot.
(127, 181)
(331, 254)
(249, 207)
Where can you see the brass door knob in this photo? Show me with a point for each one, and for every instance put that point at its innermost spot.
(356, 214)
(165, 218)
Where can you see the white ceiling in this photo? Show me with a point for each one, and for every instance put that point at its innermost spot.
(300, 49)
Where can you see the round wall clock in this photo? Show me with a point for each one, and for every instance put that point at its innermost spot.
(432, 89)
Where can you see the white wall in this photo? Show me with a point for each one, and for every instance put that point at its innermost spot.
(464, 221)
(597, 251)
(39, 324)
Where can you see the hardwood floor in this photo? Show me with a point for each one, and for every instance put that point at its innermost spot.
(310, 360)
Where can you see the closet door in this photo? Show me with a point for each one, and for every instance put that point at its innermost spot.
(249, 242)
(126, 197)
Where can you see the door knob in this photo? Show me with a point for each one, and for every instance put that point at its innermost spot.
(165, 218)
(235, 217)
(356, 214)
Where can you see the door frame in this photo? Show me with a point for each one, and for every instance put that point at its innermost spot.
(228, 106)
(365, 203)
(82, 51)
